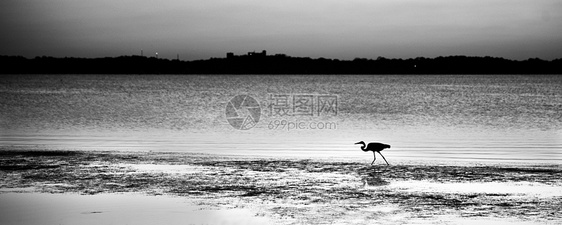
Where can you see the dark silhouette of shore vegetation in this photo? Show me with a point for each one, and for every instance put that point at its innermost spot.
(261, 63)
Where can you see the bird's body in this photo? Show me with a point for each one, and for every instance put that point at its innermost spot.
(374, 147)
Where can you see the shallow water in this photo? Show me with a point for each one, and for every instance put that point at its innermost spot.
(37, 208)
(269, 190)
(507, 119)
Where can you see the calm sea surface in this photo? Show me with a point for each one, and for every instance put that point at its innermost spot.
(507, 118)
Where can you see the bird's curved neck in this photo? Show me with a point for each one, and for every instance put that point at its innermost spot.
(363, 148)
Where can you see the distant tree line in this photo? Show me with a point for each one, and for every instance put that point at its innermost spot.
(277, 64)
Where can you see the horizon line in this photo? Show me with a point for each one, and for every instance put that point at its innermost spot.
(283, 55)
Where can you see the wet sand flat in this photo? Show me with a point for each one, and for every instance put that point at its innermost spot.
(114, 208)
(278, 191)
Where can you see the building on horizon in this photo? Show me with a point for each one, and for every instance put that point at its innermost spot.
(263, 53)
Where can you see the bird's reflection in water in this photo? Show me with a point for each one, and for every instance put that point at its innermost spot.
(372, 177)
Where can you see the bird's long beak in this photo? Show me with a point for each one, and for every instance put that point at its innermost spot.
(357, 143)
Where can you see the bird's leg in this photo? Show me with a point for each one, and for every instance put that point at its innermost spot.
(375, 158)
(383, 158)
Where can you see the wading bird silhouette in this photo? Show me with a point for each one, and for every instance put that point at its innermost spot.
(374, 147)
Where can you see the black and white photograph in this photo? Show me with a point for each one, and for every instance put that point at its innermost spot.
(280, 112)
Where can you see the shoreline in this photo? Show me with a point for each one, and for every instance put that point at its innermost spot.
(365, 158)
(298, 191)
(280, 64)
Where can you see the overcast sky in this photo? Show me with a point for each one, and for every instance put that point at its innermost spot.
(343, 29)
